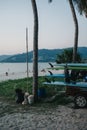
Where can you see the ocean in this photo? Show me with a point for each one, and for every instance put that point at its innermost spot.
(19, 70)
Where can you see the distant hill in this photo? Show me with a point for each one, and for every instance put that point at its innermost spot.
(83, 52)
(3, 57)
(44, 55)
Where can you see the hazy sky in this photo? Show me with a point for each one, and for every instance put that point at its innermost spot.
(56, 26)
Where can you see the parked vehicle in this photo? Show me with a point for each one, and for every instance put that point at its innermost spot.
(77, 85)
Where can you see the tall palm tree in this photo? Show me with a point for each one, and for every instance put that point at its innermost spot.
(82, 8)
(35, 51)
(76, 31)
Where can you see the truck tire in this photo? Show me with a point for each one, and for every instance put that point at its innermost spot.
(80, 101)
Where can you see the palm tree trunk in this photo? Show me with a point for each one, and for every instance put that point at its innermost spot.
(35, 51)
(76, 31)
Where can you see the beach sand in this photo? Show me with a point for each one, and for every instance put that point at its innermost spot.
(17, 117)
(41, 118)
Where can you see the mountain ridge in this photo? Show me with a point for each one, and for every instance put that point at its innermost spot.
(44, 55)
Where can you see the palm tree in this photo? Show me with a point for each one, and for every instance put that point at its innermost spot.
(76, 31)
(66, 56)
(82, 8)
(35, 51)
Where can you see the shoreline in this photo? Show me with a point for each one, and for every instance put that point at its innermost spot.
(20, 75)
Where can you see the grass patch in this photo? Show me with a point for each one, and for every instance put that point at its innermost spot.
(7, 89)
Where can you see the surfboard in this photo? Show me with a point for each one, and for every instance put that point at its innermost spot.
(56, 75)
(58, 83)
(71, 66)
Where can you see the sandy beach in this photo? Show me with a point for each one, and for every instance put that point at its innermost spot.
(19, 117)
(41, 118)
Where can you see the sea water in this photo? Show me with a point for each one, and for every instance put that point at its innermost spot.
(19, 70)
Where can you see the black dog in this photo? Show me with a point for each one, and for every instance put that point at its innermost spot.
(20, 95)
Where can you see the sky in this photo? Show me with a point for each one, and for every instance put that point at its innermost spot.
(56, 26)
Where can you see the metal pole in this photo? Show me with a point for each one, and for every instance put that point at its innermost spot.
(27, 55)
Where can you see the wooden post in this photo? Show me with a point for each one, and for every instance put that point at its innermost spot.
(27, 55)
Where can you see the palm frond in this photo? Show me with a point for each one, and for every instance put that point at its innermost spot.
(50, 1)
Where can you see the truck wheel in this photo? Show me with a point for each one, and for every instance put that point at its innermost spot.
(80, 101)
